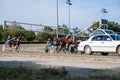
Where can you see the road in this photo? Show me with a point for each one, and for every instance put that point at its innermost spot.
(34, 56)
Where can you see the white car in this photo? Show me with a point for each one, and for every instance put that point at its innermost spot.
(103, 43)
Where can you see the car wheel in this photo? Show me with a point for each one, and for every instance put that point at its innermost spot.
(104, 54)
(118, 50)
(87, 50)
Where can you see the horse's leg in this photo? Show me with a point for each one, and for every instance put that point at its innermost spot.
(58, 46)
(10, 45)
(62, 47)
(67, 47)
(18, 46)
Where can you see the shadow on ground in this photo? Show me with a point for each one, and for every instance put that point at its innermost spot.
(72, 71)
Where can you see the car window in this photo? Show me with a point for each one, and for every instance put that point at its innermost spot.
(101, 38)
(110, 32)
(97, 38)
(115, 37)
(106, 38)
(98, 32)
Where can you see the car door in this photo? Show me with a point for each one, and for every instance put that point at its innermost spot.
(96, 43)
(107, 44)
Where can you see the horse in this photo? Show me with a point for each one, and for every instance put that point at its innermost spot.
(16, 42)
(66, 42)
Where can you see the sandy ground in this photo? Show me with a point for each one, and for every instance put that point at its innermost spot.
(33, 55)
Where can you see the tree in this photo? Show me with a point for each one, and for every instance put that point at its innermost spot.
(114, 26)
(94, 26)
(110, 25)
(1, 30)
(4, 35)
(65, 28)
(29, 36)
(47, 29)
(42, 37)
(1, 27)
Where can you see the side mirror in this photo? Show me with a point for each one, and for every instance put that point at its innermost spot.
(108, 39)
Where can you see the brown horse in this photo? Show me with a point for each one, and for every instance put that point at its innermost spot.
(66, 42)
(62, 43)
(16, 41)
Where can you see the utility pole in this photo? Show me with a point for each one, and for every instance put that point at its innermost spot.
(69, 3)
(57, 20)
(104, 11)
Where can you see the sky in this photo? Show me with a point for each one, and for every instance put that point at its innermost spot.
(83, 13)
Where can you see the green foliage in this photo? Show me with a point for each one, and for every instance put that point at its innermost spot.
(1, 27)
(63, 29)
(111, 25)
(29, 36)
(4, 35)
(48, 32)
(104, 75)
(114, 26)
(47, 29)
(94, 26)
(22, 73)
(14, 33)
(43, 36)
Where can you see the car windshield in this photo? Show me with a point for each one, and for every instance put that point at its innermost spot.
(115, 37)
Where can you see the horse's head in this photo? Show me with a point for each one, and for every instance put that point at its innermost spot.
(20, 36)
(70, 39)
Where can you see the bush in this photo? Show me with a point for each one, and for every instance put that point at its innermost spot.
(43, 37)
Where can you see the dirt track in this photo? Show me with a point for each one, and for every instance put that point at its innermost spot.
(33, 54)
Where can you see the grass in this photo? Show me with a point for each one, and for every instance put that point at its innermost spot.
(104, 75)
(23, 73)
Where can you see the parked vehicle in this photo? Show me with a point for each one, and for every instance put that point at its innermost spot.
(105, 42)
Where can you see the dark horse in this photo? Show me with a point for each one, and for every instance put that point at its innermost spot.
(16, 41)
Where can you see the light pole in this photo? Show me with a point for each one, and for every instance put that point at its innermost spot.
(69, 3)
(104, 20)
(104, 11)
(57, 21)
